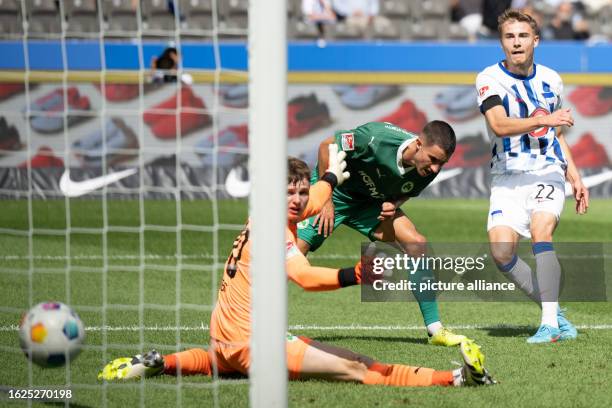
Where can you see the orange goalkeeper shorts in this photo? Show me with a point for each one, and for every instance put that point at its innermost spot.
(231, 358)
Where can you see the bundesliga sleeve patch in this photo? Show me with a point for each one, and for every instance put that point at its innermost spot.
(291, 250)
(348, 141)
(486, 89)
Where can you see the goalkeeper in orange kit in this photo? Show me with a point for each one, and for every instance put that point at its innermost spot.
(229, 350)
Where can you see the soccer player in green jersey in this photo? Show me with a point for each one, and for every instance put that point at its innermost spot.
(388, 165)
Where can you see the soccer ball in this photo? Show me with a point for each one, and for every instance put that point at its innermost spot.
(50, 334)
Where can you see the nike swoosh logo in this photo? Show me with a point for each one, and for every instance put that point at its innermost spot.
(235, 185)
(590, 181)
(78, 188)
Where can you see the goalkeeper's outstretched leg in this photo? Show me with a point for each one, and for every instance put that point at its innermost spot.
(195, 361)
(327, 362)
(306, 359)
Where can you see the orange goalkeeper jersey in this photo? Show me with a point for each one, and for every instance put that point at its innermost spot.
(230, 322)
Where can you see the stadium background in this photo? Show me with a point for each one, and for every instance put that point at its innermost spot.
(154, 257)
(330, 88)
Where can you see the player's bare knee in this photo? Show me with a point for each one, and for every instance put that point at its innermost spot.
(419, 239)
(542, 233)
(416, 246)
(543, 226)
(502, 252)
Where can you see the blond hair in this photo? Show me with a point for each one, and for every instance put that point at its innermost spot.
(517, 15)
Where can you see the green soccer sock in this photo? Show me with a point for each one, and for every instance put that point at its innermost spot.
(430, 312)
(427, 299)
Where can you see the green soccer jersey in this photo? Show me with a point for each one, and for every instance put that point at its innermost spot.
(374, 159)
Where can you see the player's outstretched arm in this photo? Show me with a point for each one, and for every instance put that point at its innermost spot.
(581, 193)
(316, 278)
(336, 165)
(504, 126)
(320, 193)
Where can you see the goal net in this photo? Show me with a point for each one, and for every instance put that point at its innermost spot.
(125, 137)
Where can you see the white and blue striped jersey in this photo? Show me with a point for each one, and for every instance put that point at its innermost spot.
(523, 96)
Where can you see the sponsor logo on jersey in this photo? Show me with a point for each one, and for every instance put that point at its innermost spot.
(348, 141)
(483, 90)
(407, 187)
(544, 129)
(367, 180)
(391, 126)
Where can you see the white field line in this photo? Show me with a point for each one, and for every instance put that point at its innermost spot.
(203, 256)
(127, 257)
(352, 327)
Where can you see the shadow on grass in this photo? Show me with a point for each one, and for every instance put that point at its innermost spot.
(403, 340)
(515, 331)
(232, 376)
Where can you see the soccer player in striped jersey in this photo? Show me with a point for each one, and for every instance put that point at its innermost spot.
(230, 328)
(523, 106)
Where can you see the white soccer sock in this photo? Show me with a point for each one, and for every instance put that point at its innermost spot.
(457, 377)
(549, 313)
(433, 328)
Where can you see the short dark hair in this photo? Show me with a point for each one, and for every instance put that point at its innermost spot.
(165, 61)
(297, 170)
(517, 15)
(440, 133)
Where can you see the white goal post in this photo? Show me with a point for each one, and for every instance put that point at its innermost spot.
(268, 170)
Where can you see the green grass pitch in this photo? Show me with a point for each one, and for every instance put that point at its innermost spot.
(141, 270)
